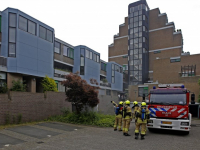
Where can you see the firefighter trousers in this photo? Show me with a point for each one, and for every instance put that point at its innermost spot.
(118, 123)
(143, 128)
(126, 124)
(123, 122)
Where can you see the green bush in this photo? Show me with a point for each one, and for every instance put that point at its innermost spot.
(49, 84)
(86, 118)
(18, 86)
(4, 88)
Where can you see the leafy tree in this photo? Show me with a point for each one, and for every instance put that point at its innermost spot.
(80, 93)
(49, 84)
(18, 86)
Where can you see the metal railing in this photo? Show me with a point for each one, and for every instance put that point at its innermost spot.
(105, 84)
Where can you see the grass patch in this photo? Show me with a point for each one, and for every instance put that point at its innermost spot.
(86, 118)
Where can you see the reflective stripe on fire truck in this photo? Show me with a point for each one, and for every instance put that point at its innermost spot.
(180, 112)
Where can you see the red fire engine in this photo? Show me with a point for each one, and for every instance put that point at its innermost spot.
(169, 108)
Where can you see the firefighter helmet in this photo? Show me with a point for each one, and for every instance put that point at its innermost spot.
(143, 104)
(128, 102)
(135, 102)
(121, 103)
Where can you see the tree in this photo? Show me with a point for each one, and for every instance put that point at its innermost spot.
(49, 84)
(18, 86)
(80, 93)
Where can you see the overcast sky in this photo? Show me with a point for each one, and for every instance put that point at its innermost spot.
(94, 22)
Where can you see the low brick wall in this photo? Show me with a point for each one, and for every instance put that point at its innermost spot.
(38, 106)
(32, 106)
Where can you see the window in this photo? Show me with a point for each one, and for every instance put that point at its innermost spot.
(175, 60)
(70, 53)
(12, 35)
(23, 23)
(103, 66)
(87, 53)
(65, 50)
(32, 27)
(82, 61)
(188, 71)
(57, 47)
(82, 52)
(98, 58)
(156, 52)
(108, 92)
(12, 20)
(125, 67)
(27, 25)
(90, 55)
(45, 34)
(49, 36)
(81, 70)
(113, 73)
(42, 32)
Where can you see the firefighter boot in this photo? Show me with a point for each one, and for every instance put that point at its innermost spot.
(142, 137)
(126, 134)
(136, 135)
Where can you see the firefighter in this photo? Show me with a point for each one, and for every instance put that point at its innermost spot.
(127, 117)
(142, 115)
(118, 117)
(135, 108)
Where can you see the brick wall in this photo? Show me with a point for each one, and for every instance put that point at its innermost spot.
(32, 106)
(35, 107)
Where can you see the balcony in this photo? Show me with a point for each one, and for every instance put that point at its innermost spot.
(105, 84)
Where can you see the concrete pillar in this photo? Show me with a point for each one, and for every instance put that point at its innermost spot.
(11, 77)
(33, 85)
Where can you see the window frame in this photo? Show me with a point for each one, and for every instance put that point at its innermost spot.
(45, 33)
(56, 47)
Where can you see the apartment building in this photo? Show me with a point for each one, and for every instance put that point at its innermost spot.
(29, 51)
(150, 49)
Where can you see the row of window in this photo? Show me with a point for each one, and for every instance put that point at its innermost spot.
(139, 7)
(175, 60)
(31, 27)
(90, 55)
(12, 35)
(67, 51)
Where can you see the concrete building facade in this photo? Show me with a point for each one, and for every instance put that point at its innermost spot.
(29, 51)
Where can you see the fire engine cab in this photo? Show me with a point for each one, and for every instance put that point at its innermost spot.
(169, 108)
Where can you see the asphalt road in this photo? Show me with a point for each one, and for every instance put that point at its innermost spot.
(60, 136)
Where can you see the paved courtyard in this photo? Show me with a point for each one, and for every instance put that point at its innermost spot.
(61, 136)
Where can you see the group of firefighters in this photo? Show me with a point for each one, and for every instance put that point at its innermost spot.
(124, 116)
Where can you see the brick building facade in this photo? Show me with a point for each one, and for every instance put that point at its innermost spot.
(167, 63)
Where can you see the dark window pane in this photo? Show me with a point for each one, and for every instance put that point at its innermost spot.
(42, 32)
(81, 70)
(12, 20)
(49, 36)
(31, 27)
(90, 55)
(12, 35)
(11, 50)
(87, 53)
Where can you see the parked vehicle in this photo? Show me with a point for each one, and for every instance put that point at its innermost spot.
(169, 107)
